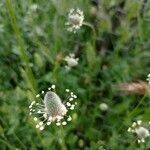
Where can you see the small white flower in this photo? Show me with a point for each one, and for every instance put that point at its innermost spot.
(72, 107)
(134, 124)
(37, 126)
(68, 104)
(58, 124)
(42, 92)
(139, 122)
(48, 123)
(139, 130)
(75, 20)
(38, 95)
(64, 123)
(35, 119)
(53, 86)
(148, 78)
(67, 90)
(69, 118)
(129, 129)
(52, 109)
(71, 61)
(103, 107)
(70, 99)
(41, 128)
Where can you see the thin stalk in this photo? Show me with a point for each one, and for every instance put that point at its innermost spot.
(45, 50)
(140, 30)
(132, 145)
(54, 72)
(23, 55)
(62, 136)
(93, 30)
(14, 134)
(8, 145)
(129, 115)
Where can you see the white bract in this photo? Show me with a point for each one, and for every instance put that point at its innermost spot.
(52, 109)
(71, 61)
(140, 131)
(75, 20)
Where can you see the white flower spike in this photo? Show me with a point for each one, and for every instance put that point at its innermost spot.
(75, 20)
(141, 132)
(52, 109)
(71, 61)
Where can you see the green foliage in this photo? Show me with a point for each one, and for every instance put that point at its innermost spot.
(113, 48)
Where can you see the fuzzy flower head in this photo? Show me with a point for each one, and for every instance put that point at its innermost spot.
(139, 130)
(75, 20)
(103, 107)
(52, 109)
(148, 78)
(71, 61)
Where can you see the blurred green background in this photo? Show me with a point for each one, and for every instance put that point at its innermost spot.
(33, 41)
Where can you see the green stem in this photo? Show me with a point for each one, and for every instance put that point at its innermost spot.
(131, 147)
(93, 29)
(6, 143)
(62, 136)
(23, 55)
(139, 25)
(14, 134)
(54, 72)
(129, 115)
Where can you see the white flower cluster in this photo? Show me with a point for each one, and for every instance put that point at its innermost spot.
(140, 131)
(71, 61)
(75, 20)
(52, 109)
(148, 78)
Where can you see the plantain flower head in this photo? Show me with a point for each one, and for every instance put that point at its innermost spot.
(141, 132)
(52, 109)
(75, 20)
(71, 61)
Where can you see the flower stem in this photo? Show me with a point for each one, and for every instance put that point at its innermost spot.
(23, 54)
(93, 29)
(62, 138)
(129, 115)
